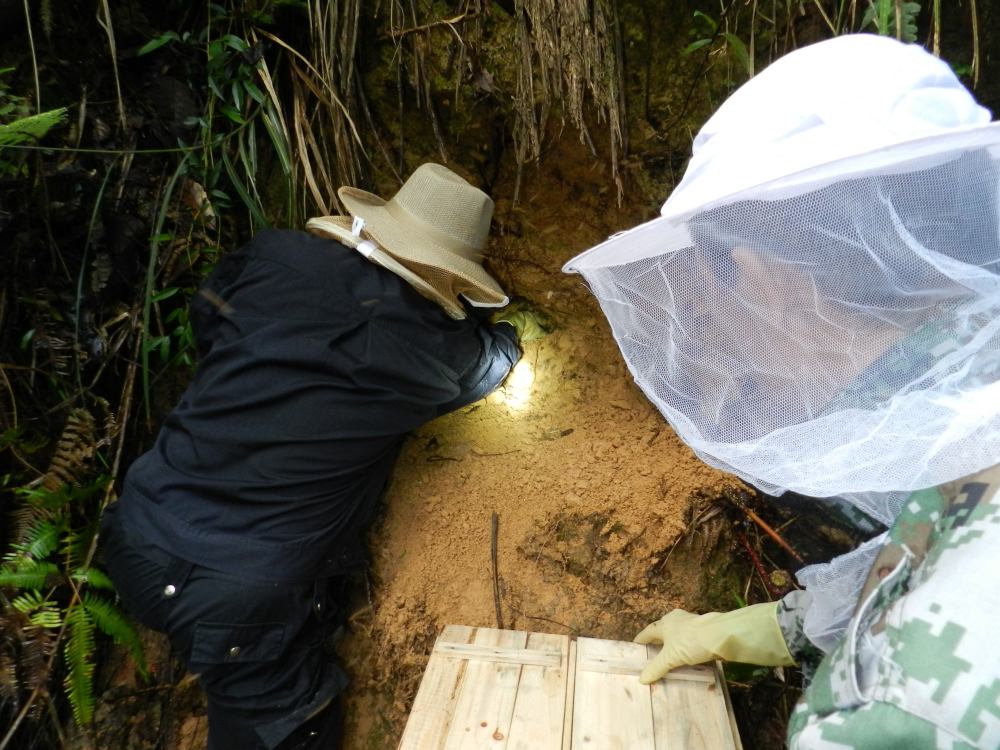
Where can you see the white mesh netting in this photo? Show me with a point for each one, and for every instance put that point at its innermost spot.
(838, 342)
(834, 587)
(817, 308)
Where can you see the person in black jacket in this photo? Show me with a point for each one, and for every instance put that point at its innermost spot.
(318, 353)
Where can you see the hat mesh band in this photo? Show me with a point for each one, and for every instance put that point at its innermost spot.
(464, 210)
(443, 239)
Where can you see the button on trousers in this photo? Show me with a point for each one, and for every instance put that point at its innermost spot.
(257, 647)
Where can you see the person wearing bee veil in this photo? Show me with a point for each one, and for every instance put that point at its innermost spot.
(817, 310)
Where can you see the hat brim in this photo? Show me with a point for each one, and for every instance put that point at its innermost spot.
(668, 232)
(410, 245)
(339, 228)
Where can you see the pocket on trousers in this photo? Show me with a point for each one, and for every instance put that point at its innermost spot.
(227, 643)
(137, 579)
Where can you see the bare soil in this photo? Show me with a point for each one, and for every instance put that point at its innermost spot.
(591, 488)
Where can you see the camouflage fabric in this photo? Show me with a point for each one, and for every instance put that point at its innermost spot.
(791, 619)
(923, 352)
(917, 667)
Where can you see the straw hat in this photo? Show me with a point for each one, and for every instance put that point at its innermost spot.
(844, 108)
(432, 233)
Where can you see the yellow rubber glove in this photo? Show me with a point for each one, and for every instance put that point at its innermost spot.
(750, 635)
(530, 323)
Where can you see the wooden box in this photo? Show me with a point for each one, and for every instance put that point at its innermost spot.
(512, 690)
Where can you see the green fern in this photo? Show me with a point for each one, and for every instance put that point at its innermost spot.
(95, 577)
(882, 15)
(42, 540)
(45, 567)
(40, 611)
(111, 621)
(32, 575)
(30, 601)
(43, 498)
(76, 545)
(30, 128)
(49, 618)
(79, 654)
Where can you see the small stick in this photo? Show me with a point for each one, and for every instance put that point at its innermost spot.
(504, 453)
(755, 559)
(449, 22)
(773, 534)
(572, 630)
(495, 526)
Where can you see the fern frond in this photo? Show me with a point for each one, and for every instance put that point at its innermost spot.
(44, 501)
(109, 420)
(76, 545)
(30, 602)
(41, 612)
(9, 685)
(111, 621)
(22, 521)
(79, 654)
(93, 577)
(32, 575)
(73, 451)
(49, 618)
(36, 647)
(30, 128)
(42, 539)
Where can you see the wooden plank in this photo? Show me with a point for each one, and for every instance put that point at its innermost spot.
(540, 707)
(485, 705)
(691, 715)
(539, 657)
(487, 689)
(434, 705)
(610, 710)
(724, 689)
(633, 663)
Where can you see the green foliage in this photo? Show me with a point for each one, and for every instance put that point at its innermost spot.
(224, 167)
(79, 654)
(19, 125)
(228, 125)
(883, 15)
(48, 578)
(729, 44)
(30, 128)
(28, 575)
(112, 622)
(93, 576)
(41, 611)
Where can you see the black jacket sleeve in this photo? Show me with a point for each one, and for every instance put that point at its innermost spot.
(499, 355)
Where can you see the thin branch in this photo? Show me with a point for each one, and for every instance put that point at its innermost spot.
(772, 533)
(494, 531)
(34, 59)
(449, 22)
(759, 566)
(975, 43)
(109, 29)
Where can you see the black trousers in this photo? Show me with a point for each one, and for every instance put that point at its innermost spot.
(256, 646)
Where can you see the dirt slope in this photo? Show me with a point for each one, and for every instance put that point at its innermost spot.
(590, 486)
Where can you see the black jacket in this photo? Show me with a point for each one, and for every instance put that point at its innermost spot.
(314, 364)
